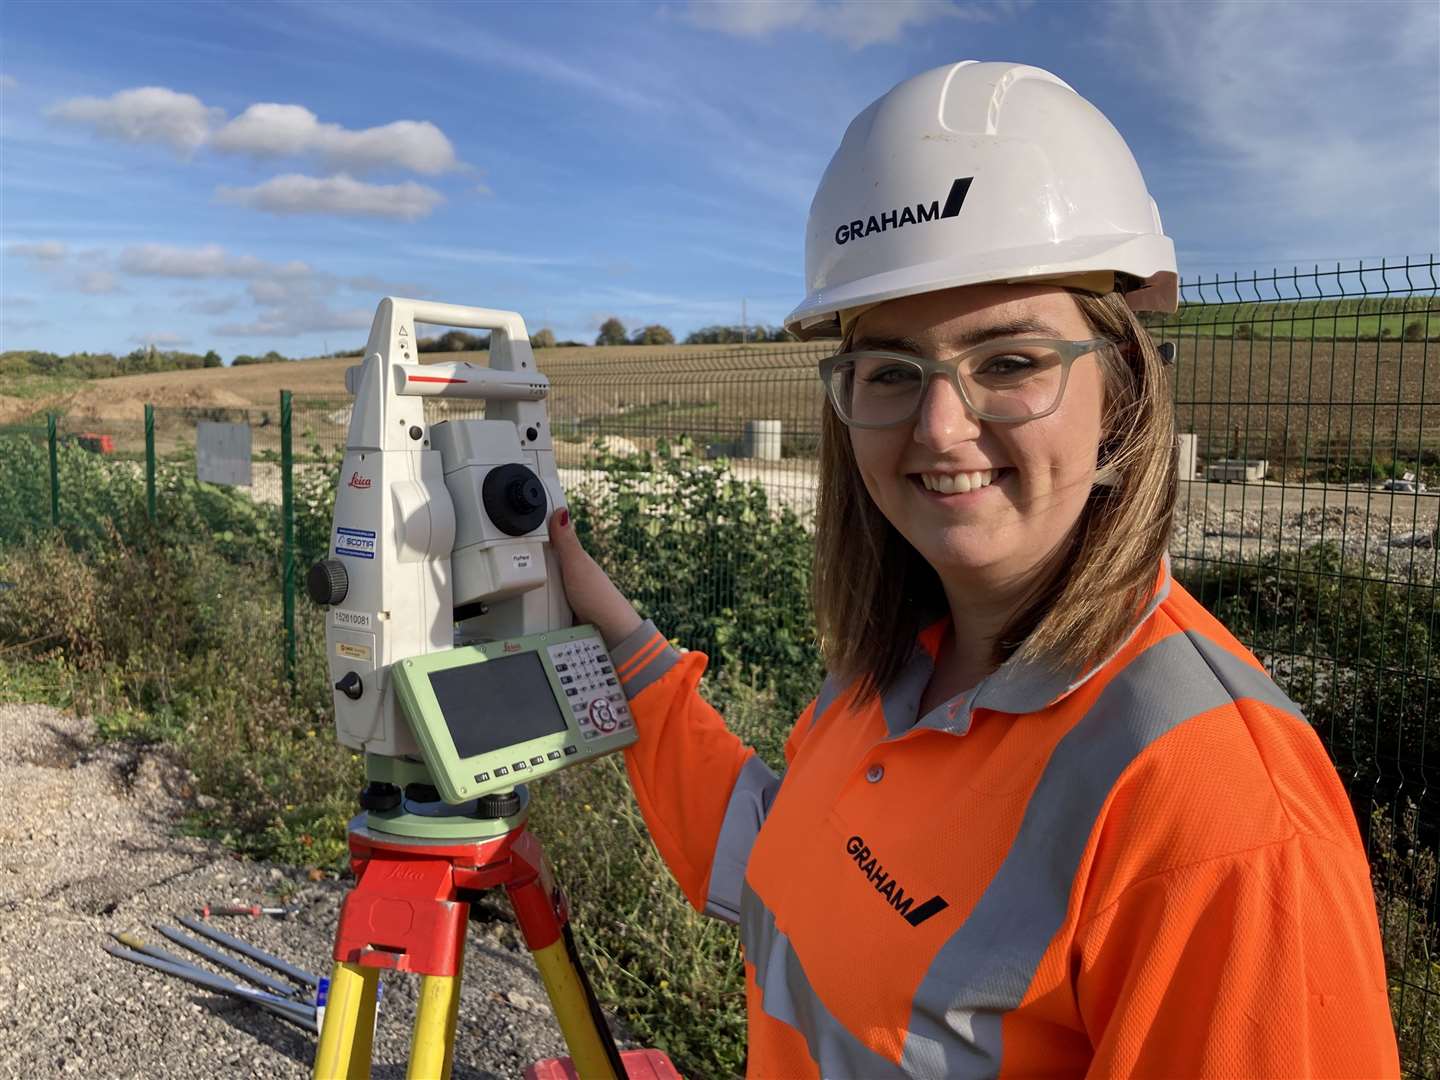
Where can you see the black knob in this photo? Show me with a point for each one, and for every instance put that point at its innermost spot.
(416, 432)
(514, 499)
(498, 804)
(350, 685)
(327, 582)
(378, 795)
(422, 793)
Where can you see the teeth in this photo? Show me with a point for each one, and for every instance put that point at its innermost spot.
(957, 483)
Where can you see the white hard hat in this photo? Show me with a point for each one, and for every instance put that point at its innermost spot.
(979, 172)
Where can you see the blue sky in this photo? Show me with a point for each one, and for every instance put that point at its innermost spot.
(253, 176)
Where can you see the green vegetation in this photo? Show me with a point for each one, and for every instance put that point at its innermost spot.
(19, 368)
(1375, 318)
(171, 633)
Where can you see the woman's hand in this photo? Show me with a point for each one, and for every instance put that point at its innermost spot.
(592, 595)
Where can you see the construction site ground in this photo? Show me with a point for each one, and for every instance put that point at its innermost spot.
(89, 847)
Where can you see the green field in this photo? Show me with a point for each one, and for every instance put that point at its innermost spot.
(1388, 318)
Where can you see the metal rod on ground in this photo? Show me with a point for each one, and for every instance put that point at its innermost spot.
(245, 949)
(301, 1015)
(219, 959)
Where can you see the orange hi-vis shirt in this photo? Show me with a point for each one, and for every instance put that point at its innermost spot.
(1149, 870)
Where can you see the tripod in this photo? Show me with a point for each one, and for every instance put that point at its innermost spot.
(407, 912)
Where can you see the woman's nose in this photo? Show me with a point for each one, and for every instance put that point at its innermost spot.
(944, 418)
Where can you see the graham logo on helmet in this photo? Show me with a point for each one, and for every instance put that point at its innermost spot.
(1059, 197)
(894, 219)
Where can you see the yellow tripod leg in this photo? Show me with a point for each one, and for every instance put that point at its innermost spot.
(572, 1011)
(432, 1047)
(349, 1031)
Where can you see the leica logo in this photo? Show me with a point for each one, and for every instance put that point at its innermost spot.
(358, 481)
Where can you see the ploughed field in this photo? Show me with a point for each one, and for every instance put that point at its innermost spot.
(1297, 403)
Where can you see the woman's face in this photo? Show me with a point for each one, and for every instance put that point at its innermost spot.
(1041, 470)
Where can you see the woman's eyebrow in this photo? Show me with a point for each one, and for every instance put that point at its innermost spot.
(1014, 327)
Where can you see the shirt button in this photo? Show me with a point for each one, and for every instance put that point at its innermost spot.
(874, 773)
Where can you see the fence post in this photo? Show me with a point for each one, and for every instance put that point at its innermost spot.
(287, 515)
(54, 472)
(150, 463)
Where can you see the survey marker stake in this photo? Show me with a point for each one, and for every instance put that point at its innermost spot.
(229, 963)
(301, 1016)
(246, 949)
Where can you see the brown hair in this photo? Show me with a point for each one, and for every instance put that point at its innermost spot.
(874, 592)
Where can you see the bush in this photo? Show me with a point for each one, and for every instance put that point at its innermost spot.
(1414, 331)
(708, 558)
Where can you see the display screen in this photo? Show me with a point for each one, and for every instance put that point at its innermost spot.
(496, 704)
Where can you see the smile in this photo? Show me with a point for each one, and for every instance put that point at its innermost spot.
(961, 483)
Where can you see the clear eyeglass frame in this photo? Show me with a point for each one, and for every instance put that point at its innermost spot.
(1068, 351)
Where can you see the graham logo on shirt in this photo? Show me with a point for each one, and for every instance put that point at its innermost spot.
(888, 887)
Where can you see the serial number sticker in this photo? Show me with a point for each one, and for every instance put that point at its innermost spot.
(356, 543)
(352, 652)
(351, 620)
(521, 559)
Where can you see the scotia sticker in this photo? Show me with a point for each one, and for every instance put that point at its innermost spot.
(356, 543)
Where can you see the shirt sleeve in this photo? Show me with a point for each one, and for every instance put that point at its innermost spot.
(1264, 963)
(703, 793)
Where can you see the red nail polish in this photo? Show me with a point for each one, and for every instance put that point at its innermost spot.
(564, 519)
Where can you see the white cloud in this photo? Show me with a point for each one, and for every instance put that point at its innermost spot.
(213, 305)
(98, 283)
(269, 131)
(9, 82)
(339, 195)
(494, 258)
(265, 130)
(160, 339)
(858, 23)
(1293, 124)
(148, 114)
(46, 251)
(209, 261)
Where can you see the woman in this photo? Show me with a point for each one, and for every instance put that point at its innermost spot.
(1045, 815)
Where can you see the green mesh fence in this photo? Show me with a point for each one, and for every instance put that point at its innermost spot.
(1309, 443)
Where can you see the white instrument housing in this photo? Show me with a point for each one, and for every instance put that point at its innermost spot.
(410, 527)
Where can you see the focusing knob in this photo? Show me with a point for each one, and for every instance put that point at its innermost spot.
(350, 685)
(328, 582)
(498, 804)
(514, 499)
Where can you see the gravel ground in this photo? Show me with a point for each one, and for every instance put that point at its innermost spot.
(88, 847)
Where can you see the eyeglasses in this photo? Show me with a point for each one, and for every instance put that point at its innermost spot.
(1007, 380)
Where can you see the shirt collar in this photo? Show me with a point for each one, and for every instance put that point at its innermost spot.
(1017, 686)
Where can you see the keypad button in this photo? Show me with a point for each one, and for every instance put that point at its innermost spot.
(537, 760)
(481, 777)
(501, 770)
(571, 750)
(553, 755)
(519, 766)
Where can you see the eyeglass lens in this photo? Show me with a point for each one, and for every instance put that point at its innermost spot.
(1013, 382)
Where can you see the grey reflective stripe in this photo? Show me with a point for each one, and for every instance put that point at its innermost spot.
(785, 994)
(1239, 678)
(901, 703)
(750, 801)
(625, 650)
(829, 691)
(984, 970)
(652, 669)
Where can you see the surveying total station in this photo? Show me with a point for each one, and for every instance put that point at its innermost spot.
(458, 673)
